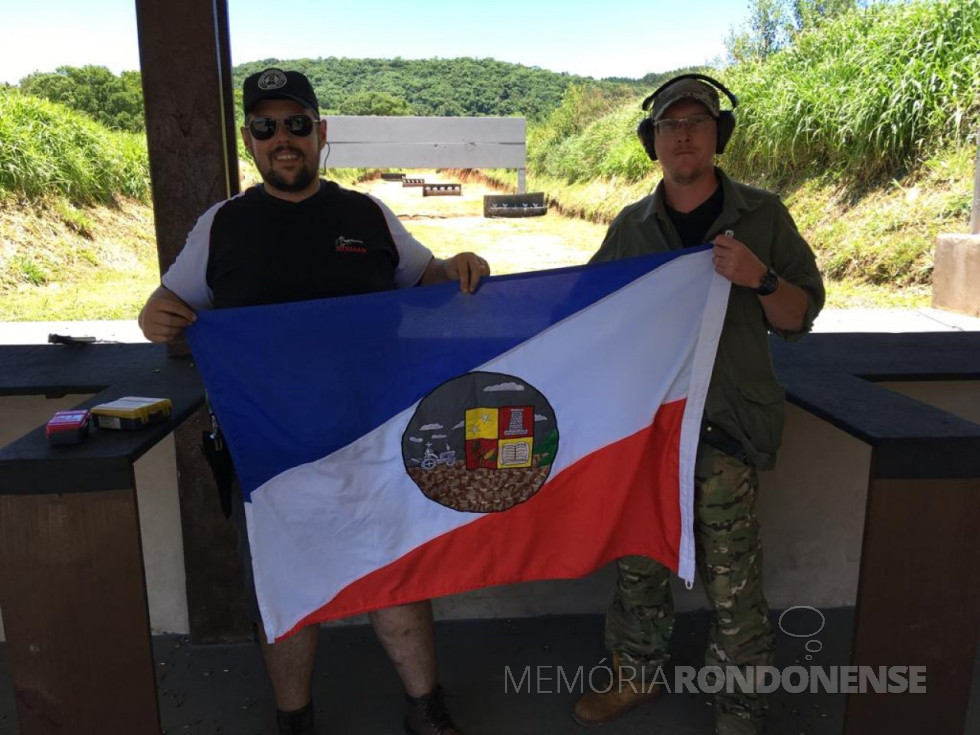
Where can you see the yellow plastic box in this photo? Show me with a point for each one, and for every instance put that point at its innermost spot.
(131, 412)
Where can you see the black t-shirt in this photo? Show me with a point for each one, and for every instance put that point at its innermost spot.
(693, 226)
(265, 250)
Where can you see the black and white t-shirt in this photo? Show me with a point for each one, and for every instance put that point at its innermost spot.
(258, 249)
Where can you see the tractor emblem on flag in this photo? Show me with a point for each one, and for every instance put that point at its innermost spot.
(431, 460)
(502, 426)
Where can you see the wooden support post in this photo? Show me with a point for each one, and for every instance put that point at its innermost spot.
(190, 119)
(191, 137)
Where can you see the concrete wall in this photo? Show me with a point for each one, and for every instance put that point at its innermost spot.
(811, 508)
(424, 142)
(956, 274)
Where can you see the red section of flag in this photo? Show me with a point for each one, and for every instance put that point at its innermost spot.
(617, 501)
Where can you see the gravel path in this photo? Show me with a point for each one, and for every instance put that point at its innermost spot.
(450, 224)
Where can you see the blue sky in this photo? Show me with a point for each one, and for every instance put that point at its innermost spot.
(587, 37)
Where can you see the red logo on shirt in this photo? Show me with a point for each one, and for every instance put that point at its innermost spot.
(346, 245)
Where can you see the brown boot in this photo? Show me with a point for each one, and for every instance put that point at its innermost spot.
(628, 689)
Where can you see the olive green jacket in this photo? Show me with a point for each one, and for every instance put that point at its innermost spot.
(744, 397)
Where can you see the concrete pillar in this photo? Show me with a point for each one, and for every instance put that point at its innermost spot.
(956, 274)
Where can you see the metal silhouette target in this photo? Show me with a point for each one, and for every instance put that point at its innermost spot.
(482, 442)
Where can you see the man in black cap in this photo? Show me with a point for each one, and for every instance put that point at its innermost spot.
(775, 287)
(296, 237)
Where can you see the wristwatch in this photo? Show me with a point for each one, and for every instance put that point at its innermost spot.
(769, 282)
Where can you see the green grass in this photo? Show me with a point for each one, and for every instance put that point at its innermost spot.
(885, 236)
(47, 149)
(865, 97)
(59, 261)
(868, 94)
(104, 295)
(881, 237)
(27, 270)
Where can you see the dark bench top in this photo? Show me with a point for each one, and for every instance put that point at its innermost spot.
(104, 461)
(832, 376)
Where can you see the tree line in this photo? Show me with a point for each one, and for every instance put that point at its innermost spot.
(427, 87)
(114, 101)
(434, 87)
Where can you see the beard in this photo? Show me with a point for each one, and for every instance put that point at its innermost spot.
(688, 178)
(303, 178)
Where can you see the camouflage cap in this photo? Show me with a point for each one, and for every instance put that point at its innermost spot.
(686, 89)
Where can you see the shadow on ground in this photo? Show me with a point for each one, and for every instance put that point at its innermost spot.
(502, 677)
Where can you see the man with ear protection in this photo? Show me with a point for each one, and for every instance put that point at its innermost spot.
(295, 237)
(775, 287)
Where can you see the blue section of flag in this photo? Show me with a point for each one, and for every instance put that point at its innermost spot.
(291, 383)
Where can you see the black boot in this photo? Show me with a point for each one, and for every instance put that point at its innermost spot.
(297, 722)
(427, 715)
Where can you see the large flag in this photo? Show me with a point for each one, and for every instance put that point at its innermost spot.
(404, 445)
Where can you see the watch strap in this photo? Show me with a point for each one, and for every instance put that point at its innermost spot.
(769, 282)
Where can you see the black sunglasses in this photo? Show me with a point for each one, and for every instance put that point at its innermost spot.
(263, 128)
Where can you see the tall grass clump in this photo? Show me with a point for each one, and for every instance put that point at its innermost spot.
(47, 149)
(592, 133)
(867, 95)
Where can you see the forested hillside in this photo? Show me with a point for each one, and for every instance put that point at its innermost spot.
(429, 87)
(440, 87)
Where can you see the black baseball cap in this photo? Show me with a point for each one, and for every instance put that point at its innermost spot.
(277, 84)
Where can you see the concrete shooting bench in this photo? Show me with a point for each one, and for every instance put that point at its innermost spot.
(72, 585)
(918, 595)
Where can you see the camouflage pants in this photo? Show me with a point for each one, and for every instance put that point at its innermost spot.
(640, 620)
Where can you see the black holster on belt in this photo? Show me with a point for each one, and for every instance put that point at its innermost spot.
(714, 436)
(219, 460)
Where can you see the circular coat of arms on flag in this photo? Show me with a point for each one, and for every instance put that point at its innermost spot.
(482, 442)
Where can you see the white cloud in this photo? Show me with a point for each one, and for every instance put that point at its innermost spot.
(503, 386)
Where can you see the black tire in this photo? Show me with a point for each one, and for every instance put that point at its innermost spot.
(515, 211)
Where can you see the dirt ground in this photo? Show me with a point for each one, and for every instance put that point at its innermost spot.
(450, 224)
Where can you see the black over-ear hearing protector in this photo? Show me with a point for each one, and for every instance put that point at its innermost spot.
(725, 120)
